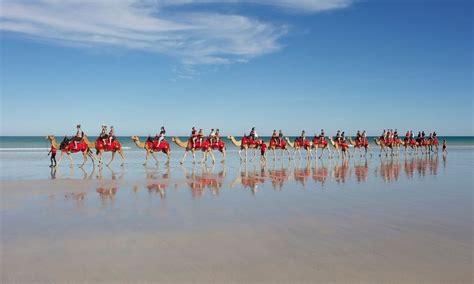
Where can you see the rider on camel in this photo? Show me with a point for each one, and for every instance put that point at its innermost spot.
(322, 137)
(280, 137)
(193, 135)
(103, 134)
(79, 135)
(217, 135)
(212, 136)
(303, 136)
(274, 135)
(111, 135)
(253, 134)
(161, 136)
(200, 136)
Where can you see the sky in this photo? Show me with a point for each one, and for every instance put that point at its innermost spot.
(272, 64)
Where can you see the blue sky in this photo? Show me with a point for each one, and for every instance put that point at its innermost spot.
(279, 64)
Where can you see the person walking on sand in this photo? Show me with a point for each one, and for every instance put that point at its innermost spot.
(52, 159)
(263, 150)
(445, 147)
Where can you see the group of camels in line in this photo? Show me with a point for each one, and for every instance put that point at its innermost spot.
(86, 148)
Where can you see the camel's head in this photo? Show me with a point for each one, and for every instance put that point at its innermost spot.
(134, 138)
(173, 139)
(230, 137)
(49, 137)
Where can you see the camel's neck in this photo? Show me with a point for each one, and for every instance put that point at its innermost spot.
(89, 144)
(288, 141)
(138, 143)
(236, 142)
(180, 143)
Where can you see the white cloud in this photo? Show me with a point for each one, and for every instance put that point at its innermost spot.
(194, 37)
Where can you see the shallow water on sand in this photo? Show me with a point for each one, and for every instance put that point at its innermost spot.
(402, 219)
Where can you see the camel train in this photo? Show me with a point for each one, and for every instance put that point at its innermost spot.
(389, 145)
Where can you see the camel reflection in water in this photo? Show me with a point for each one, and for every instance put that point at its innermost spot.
(250, 179)
(302, 174)
(158, 181)
(320, 173)
(206, 179)
(107, 195)
(422, 166)
(341, 172)
(361, 170)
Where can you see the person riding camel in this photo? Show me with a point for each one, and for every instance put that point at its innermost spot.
(161, 136)
(358, 137)
(79, 135)
(200, 136)
(303, 136)
(217, 136)
(111, 135)
(322, 136)
(212, 136)
(253, 134)
(338, 136)
(274, 135)
(103, 134)
(194, 135)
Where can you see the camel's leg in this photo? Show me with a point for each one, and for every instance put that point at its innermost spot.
(168, 155)
(212, 156)
(111, 158)
(289, 155)
(274, 154)
(194, 156)
(254, 154)
(184, 156)
(223, 154)
(155, 158)
(146, 157)
(84, 156)
(60, 159)
(70, 159)
(122, 156)
(240, 154)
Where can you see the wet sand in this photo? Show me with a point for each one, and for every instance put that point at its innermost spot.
(374, 221)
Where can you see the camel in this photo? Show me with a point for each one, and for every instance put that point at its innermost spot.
(359, 145)
(298, 144)
(100, 148)
(246, 144)
(384, 146)
(340, 147)
(206, 147)
(317, 143)
(151, 147)
(68, 148)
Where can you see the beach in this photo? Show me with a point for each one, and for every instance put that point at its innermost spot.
(377, 220)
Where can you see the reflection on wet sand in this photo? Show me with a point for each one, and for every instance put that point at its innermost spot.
(422, 166)
(302, 174)
(250, 179)
(320, 173)
(361, 170)
(201, 178)
(207, 179)
(107, 195)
